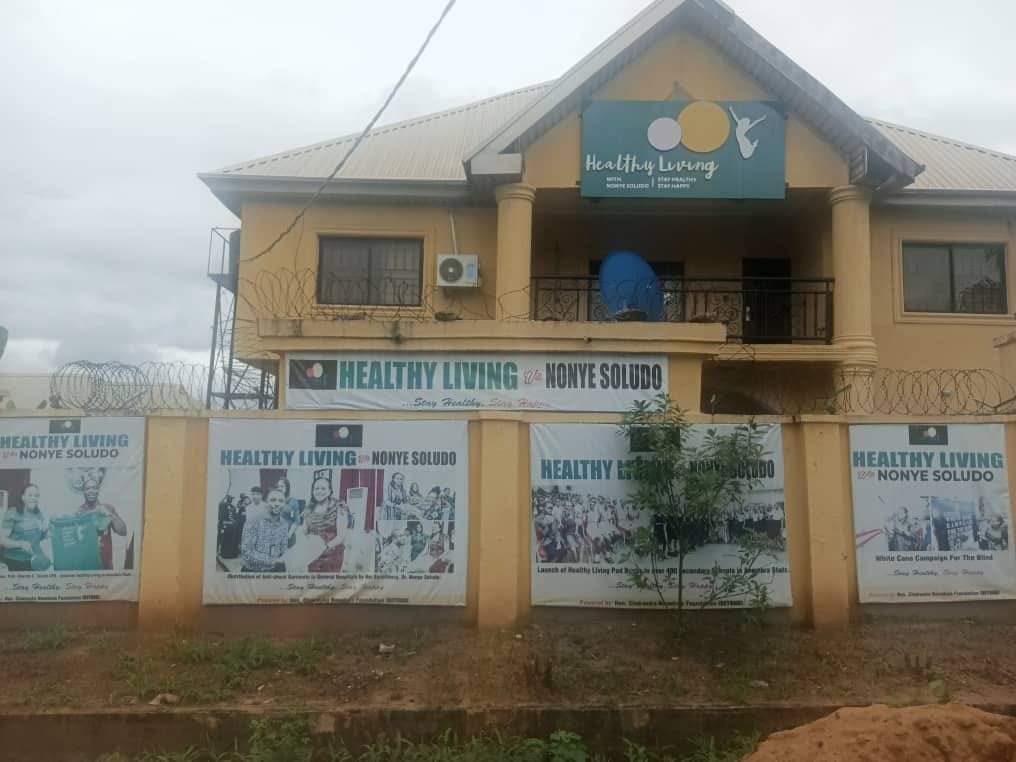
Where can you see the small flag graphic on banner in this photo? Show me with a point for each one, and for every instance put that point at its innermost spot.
(338, 435)
(313, 374)
(65, 426)
(929, 435)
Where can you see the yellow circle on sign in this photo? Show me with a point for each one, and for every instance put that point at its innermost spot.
(705, 126)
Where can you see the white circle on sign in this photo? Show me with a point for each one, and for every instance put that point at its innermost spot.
(316, 370)
(343, 432)
(664, 134)
(931, 432)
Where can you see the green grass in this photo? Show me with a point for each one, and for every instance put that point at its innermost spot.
(707, 751)
(290, 740)
(49, 639)
(206, 670)
(139, 674)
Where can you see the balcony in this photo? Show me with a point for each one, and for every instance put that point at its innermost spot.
(754, 311)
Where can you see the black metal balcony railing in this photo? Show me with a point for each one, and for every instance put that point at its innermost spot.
(755, 310)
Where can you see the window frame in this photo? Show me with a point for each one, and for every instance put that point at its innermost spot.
(420, 240)
(911, 235)
(950, 248)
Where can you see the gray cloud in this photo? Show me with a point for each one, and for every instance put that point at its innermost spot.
(110, 109)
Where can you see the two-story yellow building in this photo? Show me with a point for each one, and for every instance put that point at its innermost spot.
(790, 239)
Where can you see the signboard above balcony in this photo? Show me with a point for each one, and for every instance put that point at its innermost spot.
(683, 149)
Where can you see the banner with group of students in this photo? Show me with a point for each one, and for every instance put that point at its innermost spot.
(585, 514)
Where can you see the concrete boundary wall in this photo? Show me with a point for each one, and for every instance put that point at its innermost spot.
(820, 535)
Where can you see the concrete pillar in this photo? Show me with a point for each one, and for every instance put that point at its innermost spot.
(833, 587)
(176, 463)
(685, 387)
(852, 270)
(514, 249)
(798, 535)
(504, 555)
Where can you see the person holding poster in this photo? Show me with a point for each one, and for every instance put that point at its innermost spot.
(21, 531)
(266, 538)
(71, 508)
(107, 520)
(328, 519)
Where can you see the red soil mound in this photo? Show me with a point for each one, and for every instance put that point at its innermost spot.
(940, 733)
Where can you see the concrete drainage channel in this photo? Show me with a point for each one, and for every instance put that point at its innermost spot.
(68, 736)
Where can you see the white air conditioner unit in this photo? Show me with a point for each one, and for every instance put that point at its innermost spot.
(458, 270)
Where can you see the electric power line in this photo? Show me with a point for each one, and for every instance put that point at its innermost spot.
(362, 136)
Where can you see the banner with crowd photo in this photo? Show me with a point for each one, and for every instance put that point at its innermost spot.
(932, 513)
(71, 505)
(330, 512)
(473, 381)
(584, 514)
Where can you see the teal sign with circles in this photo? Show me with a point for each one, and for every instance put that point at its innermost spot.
(683, 149)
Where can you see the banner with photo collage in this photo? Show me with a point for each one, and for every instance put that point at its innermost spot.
(583, 515)
(71, 495)
(328, 512)
(932, 513)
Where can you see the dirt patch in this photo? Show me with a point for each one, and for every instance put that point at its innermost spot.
(948, 733)
(617, 663)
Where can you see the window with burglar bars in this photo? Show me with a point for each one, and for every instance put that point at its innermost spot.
(954, 278)
(370, 271)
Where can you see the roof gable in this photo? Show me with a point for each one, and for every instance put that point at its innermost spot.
(423, 157)
(874, 159)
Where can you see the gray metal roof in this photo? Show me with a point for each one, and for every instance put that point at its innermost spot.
(424, 157)
(951, 165)
(430, 147)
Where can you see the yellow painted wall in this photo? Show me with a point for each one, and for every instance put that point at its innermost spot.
(709, 246)
(683, 66)
(283, 283)
(922, 341)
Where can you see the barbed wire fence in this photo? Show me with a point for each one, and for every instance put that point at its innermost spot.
(746, 387)
(735, 387)
(114, 387)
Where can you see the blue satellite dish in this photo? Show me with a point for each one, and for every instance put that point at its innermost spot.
(630, 288)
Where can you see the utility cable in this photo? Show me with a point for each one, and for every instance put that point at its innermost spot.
(363, 135)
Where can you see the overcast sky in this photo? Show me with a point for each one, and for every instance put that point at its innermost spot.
(111, 107)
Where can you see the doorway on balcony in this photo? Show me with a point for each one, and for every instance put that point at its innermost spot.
(766, 306)
(670, 275)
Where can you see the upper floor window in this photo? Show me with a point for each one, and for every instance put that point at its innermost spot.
(370, 271)
(957, 278)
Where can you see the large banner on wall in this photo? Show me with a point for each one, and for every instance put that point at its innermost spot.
(329, 512)
(473, 381)
(932, 513)
(71, 505)
(583, 513)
